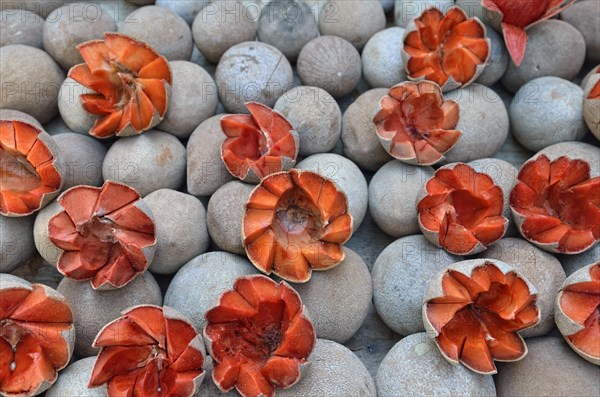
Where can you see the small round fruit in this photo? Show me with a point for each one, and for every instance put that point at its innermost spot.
(381, 61)
(584, 16)
(498, 61)
(16, 242)
(187, 9)
(407, 10)
(81, 158)
(21, 26)
(74, 379)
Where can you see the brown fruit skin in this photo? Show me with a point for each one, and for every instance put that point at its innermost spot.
(572, 263)
(73, 381)
(16, 242)
(82, 158)
(20, 26)
(584, 17)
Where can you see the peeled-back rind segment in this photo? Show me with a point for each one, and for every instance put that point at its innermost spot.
(591, 104)
(258, 144)
(107, 235)
(131, 82)
(450, 50)
(296, 222)
(259, 337)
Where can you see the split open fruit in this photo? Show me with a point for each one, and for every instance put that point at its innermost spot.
(259, 336)
(577, 312)
(36, 336)
(415, 124)
(258, 144)
(460, 210)
(450, 50)
(107, 234)
(131, 82)
(556, 205)
(296, 222)
(29, 173)
(475, 308)
(149, 352)
(591, 104)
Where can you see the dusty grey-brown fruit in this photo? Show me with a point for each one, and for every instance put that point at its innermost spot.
(415, 367)
(57, 126)
(30, 81)
(554, 48)
(392, 195)
(10, 114)
(586, 78)
(21, 26)
(572, 263)
(585, 17)
(330, 63)
(71, 109)
(181, 232)
(16, 242)
(401, 275)
(40, 7)
(406, 10)
(81, 157)
(473, 8)
(147, 162)
(44, 246)
(187, 9)
(542, 269)
(359, 139)
(381, 59)
(73, 381)
(120, 10)
(316, 117)
(225, 213)
(575, 150)
(591, 105)
(498, 61)
(550, 368)
(93, 309)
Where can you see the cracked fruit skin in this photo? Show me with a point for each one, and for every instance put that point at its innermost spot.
(474, 310)
(556, 204)
(577, 312)
(451, 50)
(514, 17)
(460, 210)
(259, 336)
(149, 351)
(415, 124)
(258, 144)
(296, 222)
(131, 84)
(36, 336)
(29, 172)
(107, 234)
(591, 104)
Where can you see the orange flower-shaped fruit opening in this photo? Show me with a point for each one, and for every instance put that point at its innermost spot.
(295, 222)
(28, 169)
(518, 15)
(259, 337)
(415, 124)
(131, 82)
(477, 318)
(580, 302)
(462, 210)
(150, 351)
(36, 338)
(258, 144)
(107, 234)
(556, 204)
(451, 50)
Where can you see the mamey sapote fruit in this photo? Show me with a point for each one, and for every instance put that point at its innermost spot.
(474, 310)
(577, 312)
(36, 336)
(415, 124)
(150, 351)
(591, 103)
(259, 336)
(107, 234)
(29, 171)
(460, 210)
(450, 49)
(258, 144)
(131, 82)
(296, 222)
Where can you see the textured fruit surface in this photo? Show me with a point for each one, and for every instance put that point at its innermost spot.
(27, 169)
(296, 222)
(151, 352)
(259, 337)
(105, 233)
(556, 204)
(462, 210)
(477, 318)
(415, 124)
(446, 47)
(258, 144)
(36, 338)
(131, 83)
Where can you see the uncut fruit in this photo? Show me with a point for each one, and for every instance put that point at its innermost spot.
(415, 124)
(149, 351)
(259, 337)
(131, 82)
(475, 308)
(450, 50)
(30, 176)
(258, 144)
(107, 234)
(296, 222)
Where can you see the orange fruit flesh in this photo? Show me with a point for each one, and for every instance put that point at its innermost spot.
(595, 92)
